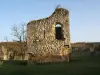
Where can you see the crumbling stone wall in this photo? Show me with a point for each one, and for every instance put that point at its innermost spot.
(41, 34)
(1, 53)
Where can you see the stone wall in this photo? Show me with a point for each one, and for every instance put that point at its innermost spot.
(1, 53)
(41, 34)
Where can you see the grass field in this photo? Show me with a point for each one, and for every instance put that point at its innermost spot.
(78, 66)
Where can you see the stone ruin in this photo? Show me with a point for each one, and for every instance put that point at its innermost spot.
(48, 36)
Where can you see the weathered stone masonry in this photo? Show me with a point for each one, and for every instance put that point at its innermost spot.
(41, 33)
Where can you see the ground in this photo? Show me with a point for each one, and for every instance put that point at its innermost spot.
(78, 66)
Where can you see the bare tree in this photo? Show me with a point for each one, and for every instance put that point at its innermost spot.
(19, 32)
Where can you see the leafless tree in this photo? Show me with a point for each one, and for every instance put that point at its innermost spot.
(19, 32)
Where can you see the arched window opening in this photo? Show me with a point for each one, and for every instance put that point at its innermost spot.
(59, 32)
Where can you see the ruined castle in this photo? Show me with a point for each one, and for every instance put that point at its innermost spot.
(49, 35)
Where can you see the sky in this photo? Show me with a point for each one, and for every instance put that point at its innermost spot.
(84, 16)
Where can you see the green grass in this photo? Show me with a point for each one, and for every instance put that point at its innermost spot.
(78, 66)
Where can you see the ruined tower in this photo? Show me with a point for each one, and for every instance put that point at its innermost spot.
(48, 35)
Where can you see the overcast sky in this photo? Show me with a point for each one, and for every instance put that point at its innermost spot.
(84, 16)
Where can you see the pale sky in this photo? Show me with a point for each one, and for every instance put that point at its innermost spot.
(84, 16)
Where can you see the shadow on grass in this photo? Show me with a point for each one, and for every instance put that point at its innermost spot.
(78, 66)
